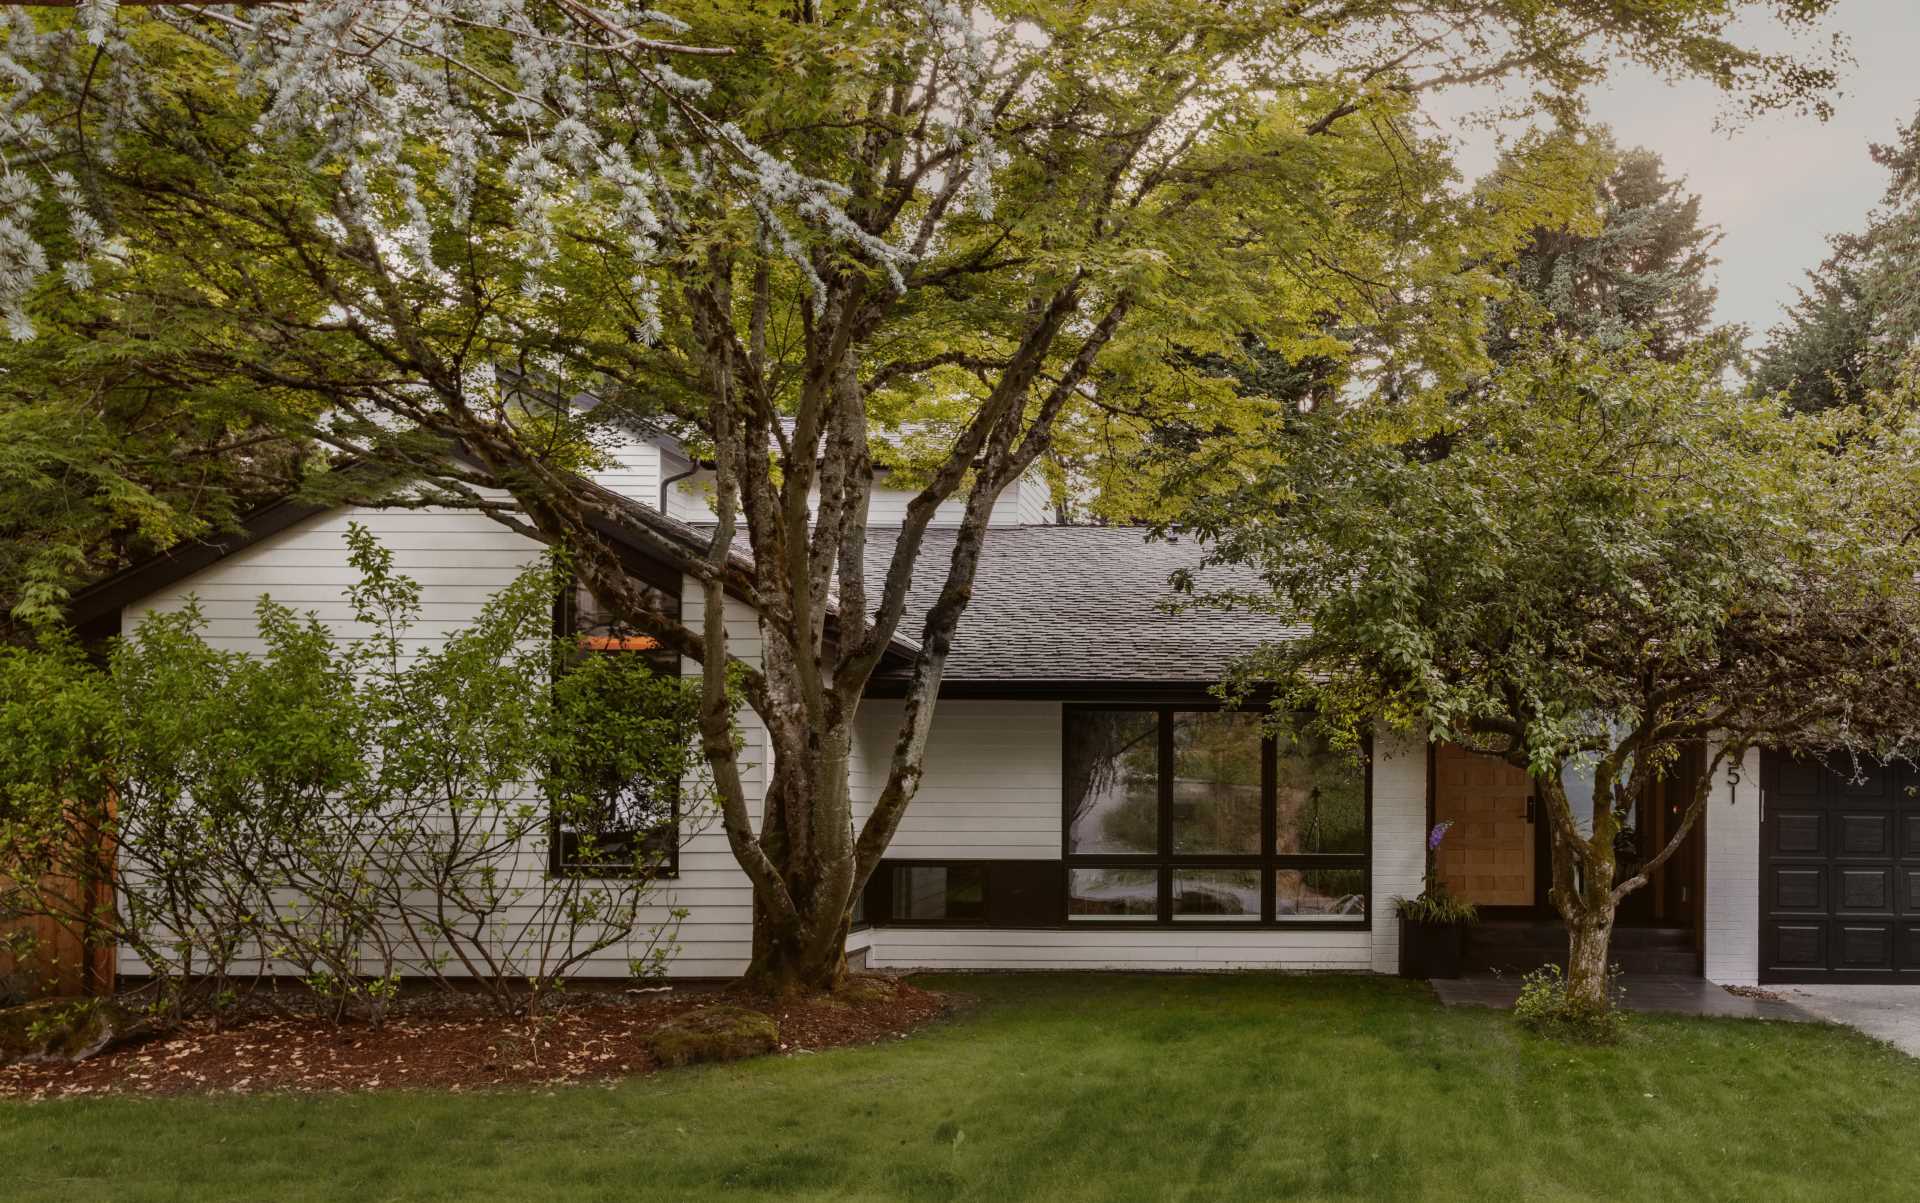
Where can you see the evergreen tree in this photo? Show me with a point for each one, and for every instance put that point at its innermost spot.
(1856, 326)
(1637, 268)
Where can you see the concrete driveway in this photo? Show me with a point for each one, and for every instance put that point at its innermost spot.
(1889, 1013)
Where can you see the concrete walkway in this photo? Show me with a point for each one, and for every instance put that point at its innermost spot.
(1651, 993)
(1889, 1013)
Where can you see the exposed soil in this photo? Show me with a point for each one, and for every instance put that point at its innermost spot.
(455, 1043)
(1752, 992)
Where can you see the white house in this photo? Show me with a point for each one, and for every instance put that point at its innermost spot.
(1086, 806)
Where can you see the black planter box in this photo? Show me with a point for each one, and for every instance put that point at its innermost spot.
(1430, 950)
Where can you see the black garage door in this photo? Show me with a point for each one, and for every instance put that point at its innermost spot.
(1839, 874)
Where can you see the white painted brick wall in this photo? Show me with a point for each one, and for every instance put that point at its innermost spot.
(1733, 879)
(1399, 836)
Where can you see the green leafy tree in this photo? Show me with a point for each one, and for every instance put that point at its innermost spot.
(1615, 562)
(789, 234)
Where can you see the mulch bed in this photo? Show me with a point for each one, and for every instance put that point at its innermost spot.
(454, 1044)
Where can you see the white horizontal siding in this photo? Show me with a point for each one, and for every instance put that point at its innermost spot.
(992, 785)
(716, 939)
(1033, 500)
(1091, 948)
(633, 470)
(460, 559)
(1399, 836)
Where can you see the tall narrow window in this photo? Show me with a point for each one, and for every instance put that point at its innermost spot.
(1113, 782)
(1193, 816)
(621, 815)
(1216, 783)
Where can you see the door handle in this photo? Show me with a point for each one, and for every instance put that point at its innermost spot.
(1529, 814)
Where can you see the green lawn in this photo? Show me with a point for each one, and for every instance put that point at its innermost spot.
(1064, 1088)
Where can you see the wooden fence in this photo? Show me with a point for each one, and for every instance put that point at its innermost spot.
(42, 956)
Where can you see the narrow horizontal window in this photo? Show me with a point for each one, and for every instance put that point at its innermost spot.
(940, 893)
(998, 893)
(1325, 894)
(1216, 894)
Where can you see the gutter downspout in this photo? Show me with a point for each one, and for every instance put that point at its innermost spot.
(668, 482)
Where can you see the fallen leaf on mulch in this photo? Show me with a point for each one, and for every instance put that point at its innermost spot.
(593, 1036)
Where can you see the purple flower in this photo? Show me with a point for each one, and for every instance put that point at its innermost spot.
(1438, 833)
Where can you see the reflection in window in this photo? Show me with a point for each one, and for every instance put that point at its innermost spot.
(939, 893)
(1113, 782)
(1320, 894)
(1113, 893)
(1320, 801)
(617, 822)
(1167, 811)
(1216, 783)
(594, 628)
(1216, 894)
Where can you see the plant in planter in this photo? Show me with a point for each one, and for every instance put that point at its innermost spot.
(1433, 924)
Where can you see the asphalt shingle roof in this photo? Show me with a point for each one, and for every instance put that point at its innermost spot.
(1078, 603)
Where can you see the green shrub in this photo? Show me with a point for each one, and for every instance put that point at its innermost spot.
(1544, 1007)
(1435, 908)
(352, 809)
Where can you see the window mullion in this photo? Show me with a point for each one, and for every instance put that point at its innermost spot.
(1166, 815)
(1269, 825)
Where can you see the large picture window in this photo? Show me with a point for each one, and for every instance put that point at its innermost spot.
(1187, 816)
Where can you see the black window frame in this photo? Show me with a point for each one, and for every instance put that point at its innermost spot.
(1021, 894)
(1164, 860)
(889, 868)
(663, 840)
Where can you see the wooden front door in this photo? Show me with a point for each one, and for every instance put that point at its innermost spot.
(1487, 856)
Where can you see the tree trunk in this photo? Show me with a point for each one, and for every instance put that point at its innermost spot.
(1588, 938)
(1583, 869)
(786, 963)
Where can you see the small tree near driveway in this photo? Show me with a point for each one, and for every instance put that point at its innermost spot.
(1588, 567)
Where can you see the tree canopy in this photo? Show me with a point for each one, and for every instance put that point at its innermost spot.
(1599, 560)
(805, 238)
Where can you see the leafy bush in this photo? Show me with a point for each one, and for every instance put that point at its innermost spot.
(355, 811)
(1433, 906)
(1545, 1007)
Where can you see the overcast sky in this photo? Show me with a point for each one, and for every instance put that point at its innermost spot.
(1776, 185)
